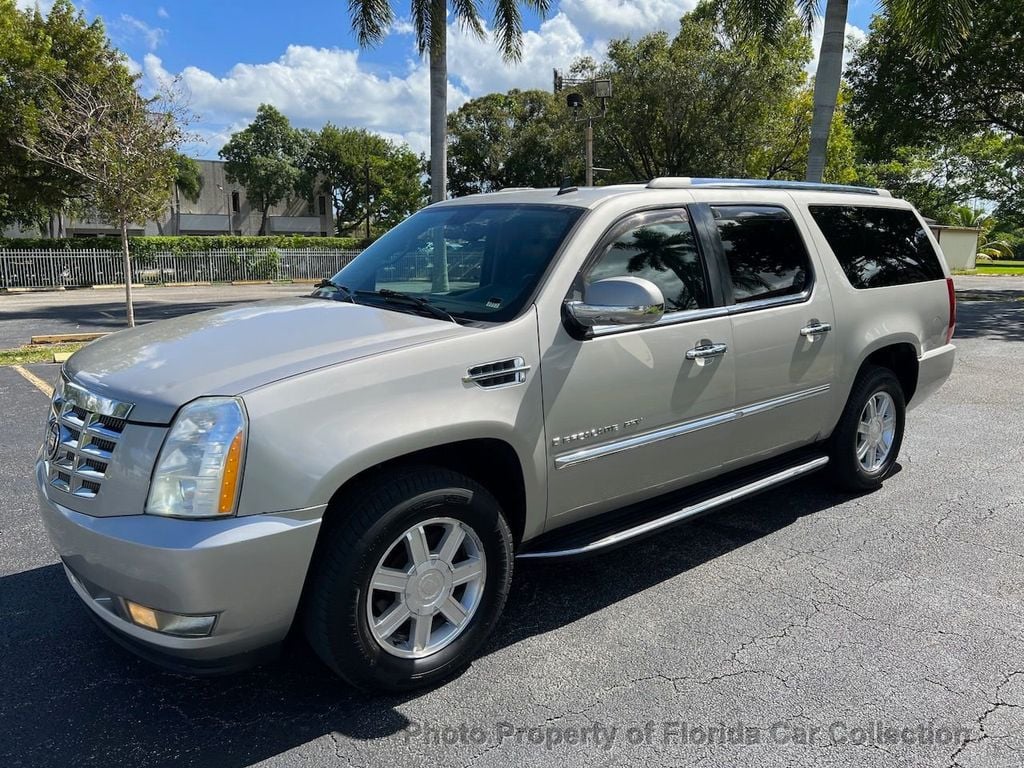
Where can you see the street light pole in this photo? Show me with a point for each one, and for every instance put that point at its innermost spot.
(589, 151)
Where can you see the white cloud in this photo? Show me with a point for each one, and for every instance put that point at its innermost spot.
(44, 6)
(479, 67)
(853, 34)
(162, 12)
(311, 86)
(608, 19)
(129, 26)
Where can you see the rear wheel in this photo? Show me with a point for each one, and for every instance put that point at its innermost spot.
(867, 440)
(410, 581)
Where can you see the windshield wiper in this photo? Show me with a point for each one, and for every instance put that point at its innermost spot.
(347, 294)
(407, 298)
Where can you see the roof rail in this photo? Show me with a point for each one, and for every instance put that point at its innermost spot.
(686, 182)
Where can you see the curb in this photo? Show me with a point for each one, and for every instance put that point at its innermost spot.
(48, 289)
(108, 286)
(65, 338)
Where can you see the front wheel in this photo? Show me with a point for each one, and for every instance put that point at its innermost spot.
(409, 580)
(867, 440)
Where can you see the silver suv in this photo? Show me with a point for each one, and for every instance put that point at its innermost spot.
(525, 374)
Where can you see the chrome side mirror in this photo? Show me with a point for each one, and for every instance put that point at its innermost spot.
(618, 301)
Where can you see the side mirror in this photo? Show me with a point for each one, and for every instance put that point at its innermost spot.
(618, 301)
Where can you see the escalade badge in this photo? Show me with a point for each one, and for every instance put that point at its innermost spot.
(52, 440)
(593, 432)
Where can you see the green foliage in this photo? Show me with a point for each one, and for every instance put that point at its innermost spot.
(264, 158)
(900, 100)
(148, 246)
(783, 153)
(256, 266)
(336, 165)
(371, 20)
(188, 178)
(519, 138)
(695, 105)
(41, 58)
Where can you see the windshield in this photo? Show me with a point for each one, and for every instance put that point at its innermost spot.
(477, 262)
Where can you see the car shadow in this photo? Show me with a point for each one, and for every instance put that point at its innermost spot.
(73, 697)
(990, 314)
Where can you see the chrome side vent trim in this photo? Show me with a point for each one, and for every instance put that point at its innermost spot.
(501, 373)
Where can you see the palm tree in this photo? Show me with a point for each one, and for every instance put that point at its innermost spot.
(990, 245)
(371, 20)
(937, 26)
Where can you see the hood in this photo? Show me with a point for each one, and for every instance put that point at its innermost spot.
(163, 365)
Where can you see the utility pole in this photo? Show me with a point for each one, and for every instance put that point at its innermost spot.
(589, 151)
(601, 89)
(366, 168)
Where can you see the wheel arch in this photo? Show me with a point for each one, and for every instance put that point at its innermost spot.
(491, 462)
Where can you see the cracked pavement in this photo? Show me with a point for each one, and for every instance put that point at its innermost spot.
(811, 619)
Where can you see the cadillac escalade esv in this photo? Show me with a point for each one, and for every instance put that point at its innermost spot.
(524, 374)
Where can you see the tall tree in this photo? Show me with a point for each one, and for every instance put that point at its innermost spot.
(264, 157)
(933, 28)
(668, 92)
(371, 20)
(39, 56)
(514, 139)
(369, 179)
(122, 146)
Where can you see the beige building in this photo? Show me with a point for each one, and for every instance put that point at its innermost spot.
(222, 208)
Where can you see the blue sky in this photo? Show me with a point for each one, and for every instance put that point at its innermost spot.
(302, 57)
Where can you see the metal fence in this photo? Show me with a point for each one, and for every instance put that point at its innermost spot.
(81, 268)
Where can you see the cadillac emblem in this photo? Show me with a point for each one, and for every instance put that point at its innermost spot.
(52, 440)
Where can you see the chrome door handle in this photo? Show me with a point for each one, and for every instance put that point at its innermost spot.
(706, 350)
(815, 329)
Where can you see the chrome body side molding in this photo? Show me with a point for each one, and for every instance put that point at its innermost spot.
(666, 433)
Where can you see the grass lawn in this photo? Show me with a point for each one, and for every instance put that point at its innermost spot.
(35, 353)
(994, 268)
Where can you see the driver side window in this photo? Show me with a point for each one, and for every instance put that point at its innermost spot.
(659, 246)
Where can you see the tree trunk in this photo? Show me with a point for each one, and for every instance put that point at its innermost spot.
(129, 306)
(826, 85)
(438, 100)
(263, 221)
(439, 134)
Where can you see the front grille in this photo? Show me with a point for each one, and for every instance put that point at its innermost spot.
(82, 433)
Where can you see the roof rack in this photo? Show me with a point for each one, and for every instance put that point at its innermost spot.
(686, 182)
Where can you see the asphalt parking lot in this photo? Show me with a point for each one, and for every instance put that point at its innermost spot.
(23, 315)
(802, 609)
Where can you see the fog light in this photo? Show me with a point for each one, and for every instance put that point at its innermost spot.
(170, 623)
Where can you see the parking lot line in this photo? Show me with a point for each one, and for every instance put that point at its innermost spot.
(34, 380)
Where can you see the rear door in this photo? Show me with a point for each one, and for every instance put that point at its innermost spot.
(783, 326)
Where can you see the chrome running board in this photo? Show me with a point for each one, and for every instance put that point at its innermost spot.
(679, 515)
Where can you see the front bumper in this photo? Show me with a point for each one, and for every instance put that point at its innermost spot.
(248, 571)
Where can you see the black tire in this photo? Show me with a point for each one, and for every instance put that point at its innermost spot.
(367, 522)
(847, 471)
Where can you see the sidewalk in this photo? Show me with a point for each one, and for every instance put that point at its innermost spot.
(23, 315)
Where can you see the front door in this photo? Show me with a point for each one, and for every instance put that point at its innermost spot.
(628, 414)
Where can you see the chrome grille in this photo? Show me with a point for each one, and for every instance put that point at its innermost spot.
(82, 433)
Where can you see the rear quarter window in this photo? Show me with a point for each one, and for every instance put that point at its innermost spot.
(878, 247)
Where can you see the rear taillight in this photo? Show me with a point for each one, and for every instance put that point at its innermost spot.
(952, 309)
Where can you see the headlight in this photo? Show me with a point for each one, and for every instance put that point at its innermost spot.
(199, 470)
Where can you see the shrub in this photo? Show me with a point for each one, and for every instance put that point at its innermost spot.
(142, 247)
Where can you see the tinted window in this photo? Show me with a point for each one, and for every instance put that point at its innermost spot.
(766, 255)
(479, 262)
(660, 247)
(878, 246)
